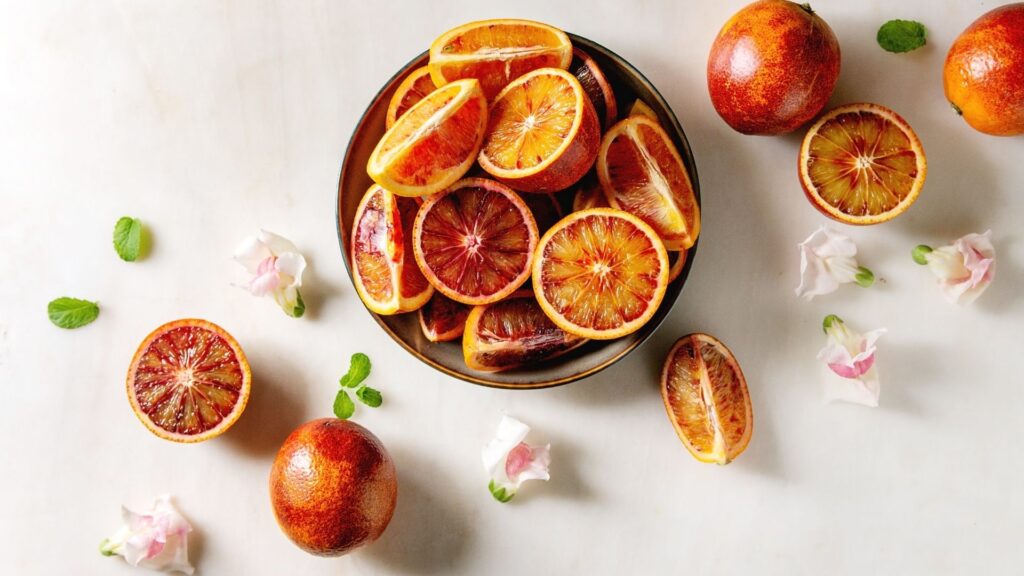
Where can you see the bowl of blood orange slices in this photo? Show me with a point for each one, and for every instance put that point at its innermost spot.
(518, 206)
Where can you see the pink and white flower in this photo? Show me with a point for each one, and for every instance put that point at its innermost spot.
(157, 539)
(964, 268)
(276, 267)
(850, 373)
(510, 461)
(826, 261)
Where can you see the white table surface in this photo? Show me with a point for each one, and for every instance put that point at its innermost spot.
(210, 119)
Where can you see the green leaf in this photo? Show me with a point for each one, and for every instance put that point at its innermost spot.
(128, 238)
(901, 35)
(71, 312)
(344, 408)
(369, 396)
(499, 492)
(358, 370)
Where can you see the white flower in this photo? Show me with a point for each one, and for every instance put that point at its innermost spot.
(964, 268)
(826, 261)
(157, 540)
(510, 461)
(850, 372)
(277, 268)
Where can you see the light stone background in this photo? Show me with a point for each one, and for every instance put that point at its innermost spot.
(210, 119)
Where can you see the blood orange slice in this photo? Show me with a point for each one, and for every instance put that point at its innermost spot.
(862, 164)
(543, 134)
(513, 333)
(589, 194)
(600, 273)
(641, 172)
(443, 319)
(416, 86)
(189, 381)
(496, 52)
(384, 270)
(677, 261)
(475, 241)
(596, 86)
(434, 143)
(706, 398)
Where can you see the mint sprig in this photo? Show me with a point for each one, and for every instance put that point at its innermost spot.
(71, 312)
(901, 36)
(358, 371)
(128, 238)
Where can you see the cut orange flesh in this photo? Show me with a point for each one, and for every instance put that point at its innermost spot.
(862, 164)
(642, 173)
(513, 333)
(434, 143)
(640, 108)
(706, 398)
(596, 86)
(589, 194)
(677, 261)
(496, 52)
(384, 270)
(416, 86)
(443, 319)
(189, 381)
(600, 273)
(475, 241)
(543, 134)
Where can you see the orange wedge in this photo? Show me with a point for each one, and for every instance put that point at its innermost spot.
(706, 398)
(862, 164)
(434, 143)
(496, 52)
(596, 86)
(543, 134)
(641, 172)
(416, 86)
(640, 108)
(600, 273)
(589, 194)
(383, 268)
(677, 261)
(443, 319)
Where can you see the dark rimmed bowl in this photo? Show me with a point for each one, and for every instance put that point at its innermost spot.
(629, 84)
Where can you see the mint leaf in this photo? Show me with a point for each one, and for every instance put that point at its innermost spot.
(369, 396)
(344, 408)
(128, 238)
(901, 35)
(358, 370)
(71, 312)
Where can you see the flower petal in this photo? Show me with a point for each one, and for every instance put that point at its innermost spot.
(250, 252)
(267, 278)
(510, 433)
(156, 540)
(278, 245)
(535, 468)
(292, 265)
(826, 261)
(864, 390)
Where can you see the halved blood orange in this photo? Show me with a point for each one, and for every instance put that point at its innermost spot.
(596, 86)
(416, 86)
(641, 172)
(496, 52)
(434, 143)
(513, 333)
(475, 241)
(543, 134)
(706, 398)
(600, 273)
(677, 261)
(641, 108)
(589, 194)
(189, 381)
(862, 164)
(384, 270)
(443, 319)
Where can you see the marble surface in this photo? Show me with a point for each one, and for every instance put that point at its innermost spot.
(209, 119)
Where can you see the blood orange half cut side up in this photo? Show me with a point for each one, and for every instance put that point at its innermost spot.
(475, 241)
(189, 381)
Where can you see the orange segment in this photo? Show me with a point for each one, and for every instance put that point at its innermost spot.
(641, 172)
(496, 52)
(862, 164)
(706, 398)
(443, 319)
(189, 381)
(513, 333)
(543, 134)
(596, 86)
(677, 261)
(434, 143)
(416, 86)
(641, 108)
(600, 273)
(475, 241)
(383, 268)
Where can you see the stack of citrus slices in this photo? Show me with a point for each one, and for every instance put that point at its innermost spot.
(504, 163)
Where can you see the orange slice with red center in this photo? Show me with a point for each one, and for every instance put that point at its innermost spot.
(475, 241)
(189, 381)
(600, 273)
(416, 86)
(443, 319)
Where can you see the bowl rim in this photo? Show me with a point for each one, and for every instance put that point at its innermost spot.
(647, 330)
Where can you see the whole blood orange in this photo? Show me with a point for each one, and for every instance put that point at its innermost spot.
(333, 487)
(984, 72)
(772, 67)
